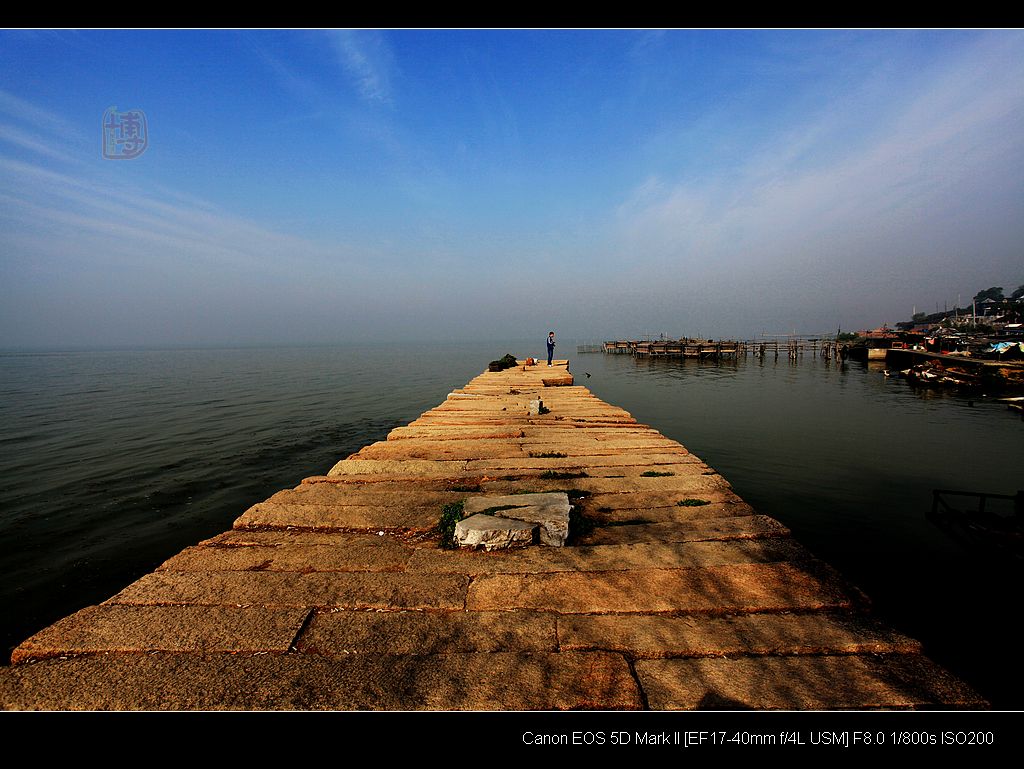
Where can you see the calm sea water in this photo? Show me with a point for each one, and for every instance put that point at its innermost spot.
(112, 461)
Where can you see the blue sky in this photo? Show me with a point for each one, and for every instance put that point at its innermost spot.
(322, 186)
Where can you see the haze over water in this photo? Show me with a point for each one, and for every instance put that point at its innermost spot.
(112, 461)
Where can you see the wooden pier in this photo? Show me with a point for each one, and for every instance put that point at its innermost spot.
(789, 347)
(672, 594)
(701, 349)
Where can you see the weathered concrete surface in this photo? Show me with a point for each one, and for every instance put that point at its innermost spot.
(673, 593)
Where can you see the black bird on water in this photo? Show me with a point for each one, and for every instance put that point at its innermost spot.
(587, 373)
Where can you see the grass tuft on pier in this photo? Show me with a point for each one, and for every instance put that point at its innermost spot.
(560, 476)
(451, 514)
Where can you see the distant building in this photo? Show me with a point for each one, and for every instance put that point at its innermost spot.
(987, 305)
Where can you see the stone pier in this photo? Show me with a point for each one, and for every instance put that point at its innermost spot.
(671, 592)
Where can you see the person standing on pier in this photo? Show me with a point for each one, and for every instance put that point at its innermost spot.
(551, 346)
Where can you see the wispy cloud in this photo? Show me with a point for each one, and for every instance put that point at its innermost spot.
(26, 111)
(25, 140)
(298, 86)
(49, 202)
(957, 131)
(368, 59)
(63, 208)
(87, 255)
(31, 127)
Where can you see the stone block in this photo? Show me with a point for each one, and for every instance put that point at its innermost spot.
(700, 530)
(713, 590)
(751, 634)
(339, 633)
(492, 532)
(120, 628)
(800, 683)
(548, 510)
(327, 517)
(353, 590)
(472, 681)
(601, 558)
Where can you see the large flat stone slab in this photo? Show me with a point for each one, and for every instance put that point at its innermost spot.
(383, 493)
(200, 629)
(593, 429)
(708, 529)
(645, 500)
(398, 468)
(336, 634)
(675, 487)
(454, 453)
(577, 456)
(454, 432)
(527, 681)
(687, 468)
(353, 590)
(670, 516)
(242, 538)
(801, 683)
(583, 558)
(716, 589)
(642, 495)
(367, 552)
(476, 504)
(337, 517)
(752, 634)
